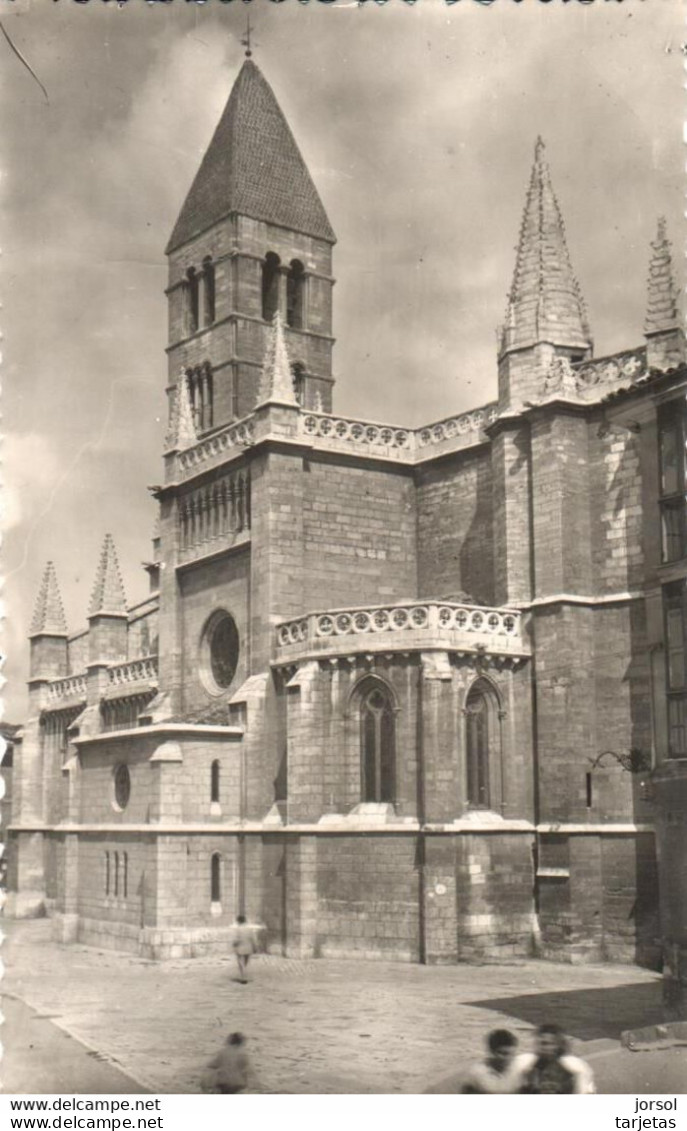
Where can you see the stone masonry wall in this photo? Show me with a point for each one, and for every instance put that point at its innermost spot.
(359, 535)
(455, 528)
(376, 918)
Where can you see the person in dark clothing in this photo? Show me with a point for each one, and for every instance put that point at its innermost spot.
(230, 1066)
(551, 1070)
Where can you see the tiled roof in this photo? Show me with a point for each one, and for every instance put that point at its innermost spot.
(108, 592)
(545, 303)
(48, 615)
(252, 166)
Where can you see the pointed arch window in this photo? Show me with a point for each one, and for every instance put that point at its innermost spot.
(270, 285)
(481, 741)
(295, 295)
(377, 742)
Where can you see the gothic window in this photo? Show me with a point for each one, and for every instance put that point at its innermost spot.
(107, 873)
(116, 873)
(208, 312)
(125, 874)
(215, 878)
(377, 742)
(219, 652)
(214, 781)
(672, 444)
(675, 611)
(191, 293)
(270, 285)
(479, 741)
(295, 294)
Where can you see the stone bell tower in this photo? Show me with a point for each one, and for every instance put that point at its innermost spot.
(252, 238)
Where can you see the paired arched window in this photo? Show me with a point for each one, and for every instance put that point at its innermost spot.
(214, 781)
(481, 721)
(270, 285)
(201, 390)
(377, 742)
(295, 294)
(216, 878)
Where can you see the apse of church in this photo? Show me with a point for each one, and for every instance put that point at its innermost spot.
(395, 692)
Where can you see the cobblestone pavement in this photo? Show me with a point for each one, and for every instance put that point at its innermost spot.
(316, 1026)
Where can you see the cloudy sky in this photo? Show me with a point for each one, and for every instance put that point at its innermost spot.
(418, 124)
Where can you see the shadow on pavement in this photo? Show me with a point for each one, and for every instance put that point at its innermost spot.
(588, 1014)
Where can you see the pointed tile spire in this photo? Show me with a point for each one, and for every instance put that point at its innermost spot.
(183, 433)
(276, 382)
(662, 312)
(545, 302)
(108, 595)
(48, 616)
(252, 166)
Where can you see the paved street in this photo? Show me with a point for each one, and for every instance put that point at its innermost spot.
(315, 1026)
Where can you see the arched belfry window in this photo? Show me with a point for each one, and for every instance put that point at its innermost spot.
(377, 742)
(295, 294)
(191, 292)
(481, 738)
(270, 285)
(208, 276)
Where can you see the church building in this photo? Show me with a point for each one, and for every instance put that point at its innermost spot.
(395, 693)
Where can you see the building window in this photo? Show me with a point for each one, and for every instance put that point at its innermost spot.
(295, 294)
(672, 440)
(214, 782)
(208, 277)
(377, 743)
(298, 378)
(270, 286)
(191, 294)
(122, 787)
(107, 873)
(116, 873)
(220, 649)
(675, 609)
(202, 395)
(216, 878)
(477, 744)
(125, 874)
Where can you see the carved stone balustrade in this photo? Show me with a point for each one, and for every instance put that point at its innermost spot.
(134, 671)
(71, 688)
(404, 627)
(213, 450)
